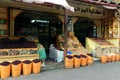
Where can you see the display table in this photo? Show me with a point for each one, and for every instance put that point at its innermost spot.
(18, 54)
(17, 49)
(99, 46)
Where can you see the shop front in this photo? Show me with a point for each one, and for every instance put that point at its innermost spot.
(44, 24)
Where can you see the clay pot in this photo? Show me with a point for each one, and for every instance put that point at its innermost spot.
(103, 59)
(83, 60)
(5, 70)
(76, 61)
(16, 68)
(69, 61)
(27, 67)
(36, 66)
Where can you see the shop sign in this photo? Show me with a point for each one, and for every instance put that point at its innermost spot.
(91, 10)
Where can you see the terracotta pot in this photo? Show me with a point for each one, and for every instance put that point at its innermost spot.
(76, 61)
(27, 67)
(5, 70)
(36, 66)
(89, 60)
(69, 61)
(16, 68)
(103, 59)
(83, 60)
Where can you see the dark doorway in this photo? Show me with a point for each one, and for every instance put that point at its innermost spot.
(44, 26)
(83, 28)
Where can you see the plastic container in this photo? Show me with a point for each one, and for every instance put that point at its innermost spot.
(27, 67)
(69, 61)
(36, 66)
(76, 61)
(5, 69)
(16, 68)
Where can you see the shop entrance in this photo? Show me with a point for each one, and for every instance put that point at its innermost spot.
(85, 27)
(44, 26)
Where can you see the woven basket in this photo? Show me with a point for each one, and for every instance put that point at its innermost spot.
(103, 59)
(16, 68)
(5, 70)
(83, 60)
(36, 66)
(27, 67)
(76, 61)
(69, 61)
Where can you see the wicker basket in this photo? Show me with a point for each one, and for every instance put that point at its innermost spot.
(36, 66)
(76, 61)
(103, 59)
(5, 70)
(69, 61)
(16, 68)
(83, 60)
(27, 67)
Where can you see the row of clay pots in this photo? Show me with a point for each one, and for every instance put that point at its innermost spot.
(16, 68)
(110, 58)
(78, 60)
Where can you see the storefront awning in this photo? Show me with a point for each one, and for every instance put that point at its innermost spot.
(56, 2)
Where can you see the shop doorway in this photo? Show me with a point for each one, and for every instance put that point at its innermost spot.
(85, 27)
(44, 26)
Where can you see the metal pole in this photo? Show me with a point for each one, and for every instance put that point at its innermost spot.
(65, 31)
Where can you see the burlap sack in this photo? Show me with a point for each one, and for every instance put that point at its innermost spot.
(16, 68)
(103, 59)
(27, 67)
(5, 70)
(76, 61)
(36, 66)
(69, 61)
(83, 60)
